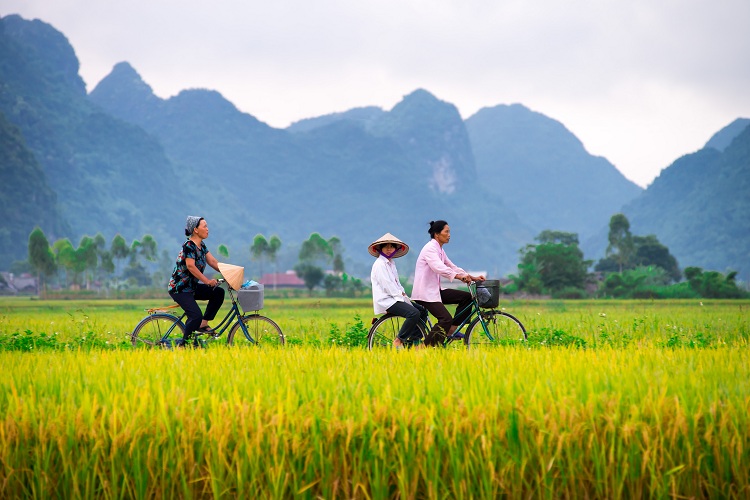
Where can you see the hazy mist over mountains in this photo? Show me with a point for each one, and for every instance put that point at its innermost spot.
(121, 159)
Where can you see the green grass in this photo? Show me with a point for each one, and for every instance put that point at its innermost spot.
(654, 403)
(615, 323)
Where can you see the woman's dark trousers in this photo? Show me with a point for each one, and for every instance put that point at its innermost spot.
(440, 330)
(412, 313)
(187, 300)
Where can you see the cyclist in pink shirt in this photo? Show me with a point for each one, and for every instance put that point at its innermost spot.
(432, 264)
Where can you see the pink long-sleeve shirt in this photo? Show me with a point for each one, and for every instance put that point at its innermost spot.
(432, 263)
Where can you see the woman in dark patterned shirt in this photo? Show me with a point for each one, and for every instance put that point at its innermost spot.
(188, 282)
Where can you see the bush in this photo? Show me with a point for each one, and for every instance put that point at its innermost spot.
(714, 285)
(555, 337)
(354, 336)
(31, 341)
(698, 340)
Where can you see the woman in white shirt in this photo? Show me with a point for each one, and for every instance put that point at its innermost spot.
(433, 263)
(387, 293)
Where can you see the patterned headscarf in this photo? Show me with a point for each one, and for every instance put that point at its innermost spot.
(191, 223)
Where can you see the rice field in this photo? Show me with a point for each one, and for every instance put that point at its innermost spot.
(610, 399)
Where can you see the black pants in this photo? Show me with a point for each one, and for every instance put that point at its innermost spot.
(444, 318)
(187, 300)
(411, 313)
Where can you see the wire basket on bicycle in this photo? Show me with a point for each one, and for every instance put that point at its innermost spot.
(488, 294)
(250, 297)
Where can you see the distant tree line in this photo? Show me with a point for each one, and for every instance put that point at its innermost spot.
(633, 267)
(317, 253)
(94, 263)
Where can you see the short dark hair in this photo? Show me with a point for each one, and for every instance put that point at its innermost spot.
(436, 226)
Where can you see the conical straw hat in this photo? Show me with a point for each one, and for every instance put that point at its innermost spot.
(401, 247)
(234, 275)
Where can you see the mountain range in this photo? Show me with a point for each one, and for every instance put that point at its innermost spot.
(122, 160)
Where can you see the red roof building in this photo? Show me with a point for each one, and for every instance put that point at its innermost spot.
(288, 279)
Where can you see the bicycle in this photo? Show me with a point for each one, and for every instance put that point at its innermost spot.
(159, 325)
(485, 325)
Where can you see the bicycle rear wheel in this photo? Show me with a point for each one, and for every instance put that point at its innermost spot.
(157, 330)
(383, 332)
(262, 332)
(503, 329)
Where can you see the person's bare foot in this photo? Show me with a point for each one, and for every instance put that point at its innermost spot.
(398, 343)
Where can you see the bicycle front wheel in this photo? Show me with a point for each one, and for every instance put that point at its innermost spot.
(502, 329)
(383, 332)
(261, 331)
(156, 330)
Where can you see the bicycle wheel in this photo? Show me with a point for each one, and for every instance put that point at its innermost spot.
(157, 330)
(383, 332)
(263, 332)
(503, 328)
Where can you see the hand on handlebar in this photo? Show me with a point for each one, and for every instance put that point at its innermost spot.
(468, 278)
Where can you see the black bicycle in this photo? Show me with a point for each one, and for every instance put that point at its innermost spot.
(161, 328)
(485, 326)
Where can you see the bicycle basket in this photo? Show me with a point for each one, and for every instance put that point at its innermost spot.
(488, 293)
(251, 298)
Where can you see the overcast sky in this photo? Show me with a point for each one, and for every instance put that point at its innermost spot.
(640, 82)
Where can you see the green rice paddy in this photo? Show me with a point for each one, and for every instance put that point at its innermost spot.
(609, 399)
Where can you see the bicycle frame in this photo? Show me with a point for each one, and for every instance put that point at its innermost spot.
(475, 312)
(234, 314)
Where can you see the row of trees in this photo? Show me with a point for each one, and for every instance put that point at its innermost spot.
(634, 266)
(263, 249)
(92, 260)
(317, 254)
(114, 265)
(117, 263)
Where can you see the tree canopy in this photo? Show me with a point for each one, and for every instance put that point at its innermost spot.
(553, 265)
(41, 258)
(627, 251)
